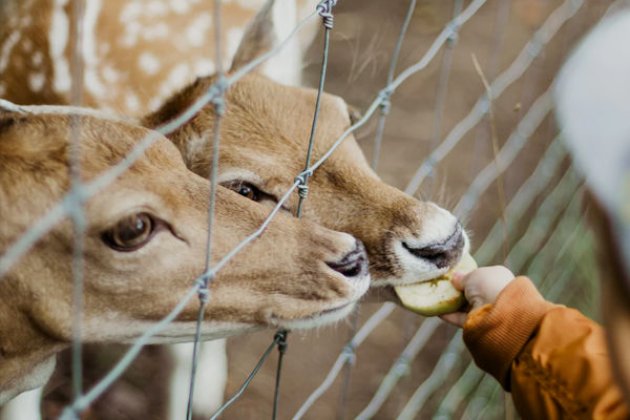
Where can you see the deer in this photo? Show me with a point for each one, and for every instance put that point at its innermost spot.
(136, 53)
(263, 142)
(145, 245)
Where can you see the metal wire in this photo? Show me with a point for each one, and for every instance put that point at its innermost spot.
(448, 361)
(44, 224)
(347, 352)
(282, 348)
(249, 379)
(204, 292)
(443, 83)
(68, 206)
(515, 143)
(386, 105)
(77, 215)
(400, 368)
(523, 61)
(515, 211)
(446, 365)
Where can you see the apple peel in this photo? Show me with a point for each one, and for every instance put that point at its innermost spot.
(438, 296)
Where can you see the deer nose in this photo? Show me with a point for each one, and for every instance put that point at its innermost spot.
(443, 254)
(354, 264)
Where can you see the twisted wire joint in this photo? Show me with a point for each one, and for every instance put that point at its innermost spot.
(281, 339)
(302, 182)
(384, 101)
(325, 11)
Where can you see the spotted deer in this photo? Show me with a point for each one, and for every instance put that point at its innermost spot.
(145, 244)
(135, 53)
(263, 143)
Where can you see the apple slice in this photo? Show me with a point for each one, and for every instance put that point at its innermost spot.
(437, 296)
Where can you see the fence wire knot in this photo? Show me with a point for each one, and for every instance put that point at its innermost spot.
(302, 182)
(281, 339)
(453, 36)
(202, 287)
(218, 90)
(349, 351)
(384, 100)
(325, 11)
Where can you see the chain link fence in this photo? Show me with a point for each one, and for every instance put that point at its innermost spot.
(537, 228)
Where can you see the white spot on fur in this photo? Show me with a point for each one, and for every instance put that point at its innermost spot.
(177, 78)
(131, 12)
(204, 67)
(156, 8)
(36, 81)
(158, 31)
(7, 48)
(38, 58)
(27, 45)
(182, 6)
(132, 31)
(132, 102)
(110, 74)
(196, 33)
(57, 42)
(154, 103)
(149, 63)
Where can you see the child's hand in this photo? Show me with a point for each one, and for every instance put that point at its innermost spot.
(480, 287)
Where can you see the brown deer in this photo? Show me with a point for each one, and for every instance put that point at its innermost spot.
(263, 143)
(144, 246)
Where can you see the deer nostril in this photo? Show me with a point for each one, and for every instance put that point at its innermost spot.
(444, 254)
(352, 264)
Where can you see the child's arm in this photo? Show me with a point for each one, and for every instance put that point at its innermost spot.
(552, 358)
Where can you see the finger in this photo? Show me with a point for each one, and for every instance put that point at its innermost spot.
(456, 318)
(458, 281)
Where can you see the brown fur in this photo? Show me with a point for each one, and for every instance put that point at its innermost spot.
(127, 86)
(266, 133)
(282, 276)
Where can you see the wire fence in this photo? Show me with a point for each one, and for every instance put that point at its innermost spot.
(554, 236)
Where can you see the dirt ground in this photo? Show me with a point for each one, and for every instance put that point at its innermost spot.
(363, 39)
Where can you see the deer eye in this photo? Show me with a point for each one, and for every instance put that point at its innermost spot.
(130, 233)
(245, 189)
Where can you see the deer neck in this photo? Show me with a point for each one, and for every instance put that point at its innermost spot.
(27, 356)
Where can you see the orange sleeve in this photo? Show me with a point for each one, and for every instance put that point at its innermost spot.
(553, 359)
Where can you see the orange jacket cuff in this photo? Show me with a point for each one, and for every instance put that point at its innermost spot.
(495, 334)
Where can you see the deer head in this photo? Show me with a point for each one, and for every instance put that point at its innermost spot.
(144, 246)
(264, 135)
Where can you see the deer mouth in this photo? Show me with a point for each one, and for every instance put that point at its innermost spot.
(415, 262)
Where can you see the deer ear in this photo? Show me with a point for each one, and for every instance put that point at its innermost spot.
(272, 25)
